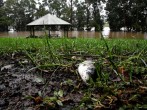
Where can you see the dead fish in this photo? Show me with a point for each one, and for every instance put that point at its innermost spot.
(87, 70)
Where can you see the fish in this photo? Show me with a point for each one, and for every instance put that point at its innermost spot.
(87, 70)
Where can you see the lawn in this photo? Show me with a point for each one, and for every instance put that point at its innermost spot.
(121, 66)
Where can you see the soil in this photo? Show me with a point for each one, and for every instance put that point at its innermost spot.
(18, 80)
(23, 87)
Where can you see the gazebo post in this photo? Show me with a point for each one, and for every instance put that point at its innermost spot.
(33, 32)
(30, 31)
(64, 31)
(67, 31)
(49, 32)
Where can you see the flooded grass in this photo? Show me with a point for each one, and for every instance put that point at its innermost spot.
(121, 67)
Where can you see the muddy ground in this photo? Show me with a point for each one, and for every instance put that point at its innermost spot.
(23, 87)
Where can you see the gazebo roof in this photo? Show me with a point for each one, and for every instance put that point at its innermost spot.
(48, 20)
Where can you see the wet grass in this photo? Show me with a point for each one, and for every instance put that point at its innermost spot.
(121, 67)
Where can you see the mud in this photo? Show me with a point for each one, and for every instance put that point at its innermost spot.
(23, 87)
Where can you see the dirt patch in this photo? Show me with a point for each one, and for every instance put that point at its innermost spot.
(19, 81)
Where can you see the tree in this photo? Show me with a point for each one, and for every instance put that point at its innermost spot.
(1, 3)
(26, 12)
(81, 16)
(65, 12)
(97, 21)
(88, 15)
(127, 13)
(4, 20)
(29, 10)
(20, 12)
(55, 6)
(71, 14)
(114, 17)
(41, 11)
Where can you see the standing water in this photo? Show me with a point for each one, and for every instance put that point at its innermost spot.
(82, 34)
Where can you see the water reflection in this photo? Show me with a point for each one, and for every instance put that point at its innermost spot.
(11, 30)
(58, 33)
(145, 35)
(106, 32)
(74, 34)
(82, 34)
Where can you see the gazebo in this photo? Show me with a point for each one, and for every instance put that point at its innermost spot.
(48, 20)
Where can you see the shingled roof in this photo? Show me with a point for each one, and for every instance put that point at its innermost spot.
(48, 20)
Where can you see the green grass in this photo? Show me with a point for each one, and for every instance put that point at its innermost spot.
(110, 55)
(46, 53)
(89, 45)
